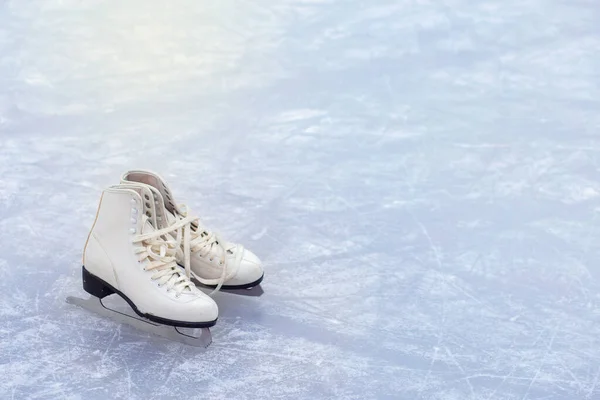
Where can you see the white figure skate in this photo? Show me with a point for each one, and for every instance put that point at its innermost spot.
(211, 260)
(131, 254)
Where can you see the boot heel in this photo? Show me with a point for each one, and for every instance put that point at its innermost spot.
(94, 285)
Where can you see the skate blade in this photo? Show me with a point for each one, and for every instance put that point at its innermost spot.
(178, 334)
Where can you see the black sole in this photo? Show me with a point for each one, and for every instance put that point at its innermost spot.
(99, 288)
(234, 287)
(229, 287)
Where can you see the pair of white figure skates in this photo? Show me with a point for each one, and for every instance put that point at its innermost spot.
(146, 249)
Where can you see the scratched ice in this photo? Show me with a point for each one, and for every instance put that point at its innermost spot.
(421, 179)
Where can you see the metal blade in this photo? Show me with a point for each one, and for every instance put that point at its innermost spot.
(187, 336)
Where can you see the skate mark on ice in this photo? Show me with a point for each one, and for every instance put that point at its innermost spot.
(466, 377)
(259, 235)
(594, 384)
(542, 363)
(425, 232)
(173, 362)
(112, 339)
(428, 375)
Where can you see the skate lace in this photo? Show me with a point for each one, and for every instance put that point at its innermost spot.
(160, 255)
(198, 239)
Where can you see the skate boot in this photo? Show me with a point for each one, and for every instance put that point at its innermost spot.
(211, 260)
(129, 252)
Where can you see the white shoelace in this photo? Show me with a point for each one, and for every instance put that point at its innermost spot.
(160, 256)
(201, 240)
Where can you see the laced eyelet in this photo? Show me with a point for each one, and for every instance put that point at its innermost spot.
(132, 230)
(134, 211)
(133, 221)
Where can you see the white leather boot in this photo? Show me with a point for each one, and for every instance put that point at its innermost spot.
(129, 252)
(213, 261)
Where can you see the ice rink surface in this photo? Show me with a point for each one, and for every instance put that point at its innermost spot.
(421, 179)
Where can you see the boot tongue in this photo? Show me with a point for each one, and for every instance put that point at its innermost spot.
(171, 219)
(147, 228)
(154, 180)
